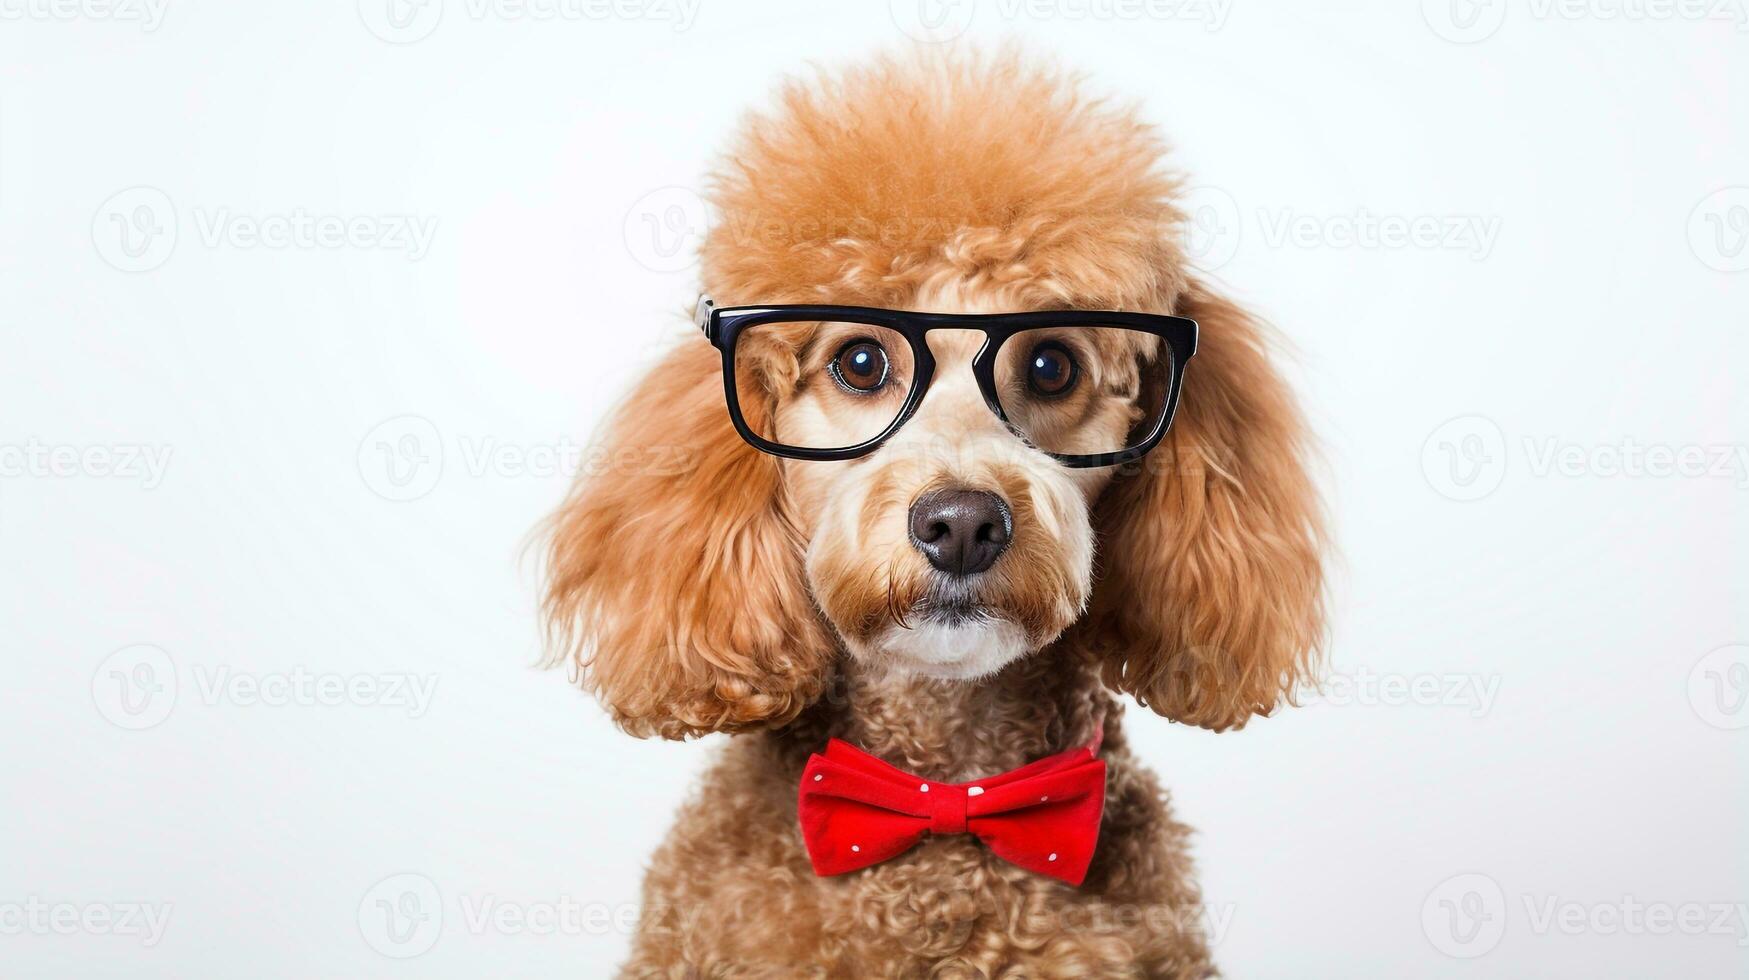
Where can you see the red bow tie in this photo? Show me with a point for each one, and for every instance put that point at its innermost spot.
(857, 811)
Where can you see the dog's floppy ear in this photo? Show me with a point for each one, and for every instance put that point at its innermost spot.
(1208, 605)
(674, 577)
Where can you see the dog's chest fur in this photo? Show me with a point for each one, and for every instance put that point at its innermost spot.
(733, 894)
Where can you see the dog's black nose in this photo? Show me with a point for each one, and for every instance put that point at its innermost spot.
(961, 532)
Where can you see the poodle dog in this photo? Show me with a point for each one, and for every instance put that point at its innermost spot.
(896, 519)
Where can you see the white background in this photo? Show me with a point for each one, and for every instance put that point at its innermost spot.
(1522, 720)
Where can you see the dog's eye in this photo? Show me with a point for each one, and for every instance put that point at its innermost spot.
(860, 365)
(1051, 370)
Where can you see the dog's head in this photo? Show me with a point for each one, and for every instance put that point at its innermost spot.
(701, 585)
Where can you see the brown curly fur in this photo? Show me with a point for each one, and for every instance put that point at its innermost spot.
(679, 585)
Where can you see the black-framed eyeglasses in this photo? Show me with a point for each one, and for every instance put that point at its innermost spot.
(1087, 387)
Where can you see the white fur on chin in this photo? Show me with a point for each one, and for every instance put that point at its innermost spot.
(954, 651)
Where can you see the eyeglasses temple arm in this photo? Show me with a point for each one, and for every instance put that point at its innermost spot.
(701, 316)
